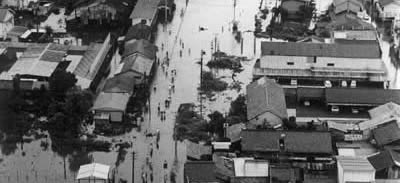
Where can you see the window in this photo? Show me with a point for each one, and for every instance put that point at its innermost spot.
(330, 64)
(290, 63)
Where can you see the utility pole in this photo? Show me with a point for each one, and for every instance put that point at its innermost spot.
(201, 82)
(234, 10)
(133, 166)
(166, 12)
(215, 47)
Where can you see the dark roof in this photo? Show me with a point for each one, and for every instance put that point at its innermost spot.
(138, 31)
(384, 159)
(145, 9)
(349, 22)
(52, 56)
(356, 42)
(200, 171)
(249, 180)
(361, 96)
(137, 63)
(387, 134)
(264, 95)
(141, 46)
(294, 141)
(17, 31)
(119, 5)
(121, 83)
(320, 49)
(386, 2)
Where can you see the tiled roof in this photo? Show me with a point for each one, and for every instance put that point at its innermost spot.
(387, 133)
(111, 101)
(17, 31)
(294, 141)
(362, 96)
(320, 49)
(142, 47)
(200, 171)
(145, 9)
(385, 159)
(138, 64)
(138, 31)
(386, 2)
(351, 5)
(264, 95)
(122, 83)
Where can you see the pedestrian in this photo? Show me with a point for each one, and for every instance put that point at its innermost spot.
(166, 103)
(158, 61)
(155, 88)
(158, 109)
(172, 80)
(189, 51)
(183, 45)
(180, 53)
(173, 88)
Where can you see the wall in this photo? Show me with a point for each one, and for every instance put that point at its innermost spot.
(391, 10)
(358, 176)
(116, 116)
(281, 62)
(6, 26)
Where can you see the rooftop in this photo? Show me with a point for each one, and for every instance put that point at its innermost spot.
(294, 141)
(355, 164)
(387, 133)
(248, 167)
(200, 171)
(320, 49)
(145, 9)
(143, 47)
(111, 101)
(137, 63)
(138, 31)
(361, 96)
(264, 95)
(121, 83)
(385, 159)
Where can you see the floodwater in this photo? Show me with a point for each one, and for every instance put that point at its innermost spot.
(34, 164)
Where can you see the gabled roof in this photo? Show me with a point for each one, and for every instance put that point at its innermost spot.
(137, 63)
(195, 150)
(200, 171)
(387, 134)
(347, 5)
(294, 141)
(145, 9)
(119, 5)
(354, 164)
(361, 96)
(111, 101)
(349, 22)
(84, 67)
(264, 95)
(121, 83)
(142, 47)
(385, 159)
(3, 14)
(387, 110)
(320, 49)
(138, 31)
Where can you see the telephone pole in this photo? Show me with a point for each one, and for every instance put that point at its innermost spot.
(201, 82)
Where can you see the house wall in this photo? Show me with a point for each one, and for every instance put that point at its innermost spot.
(116, 116)
(6, 26)
(390, 11)
(358, 176)
(96, 11)
(266, 119)
(301, 62)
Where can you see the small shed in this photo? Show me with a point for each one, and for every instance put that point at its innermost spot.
(95, 172)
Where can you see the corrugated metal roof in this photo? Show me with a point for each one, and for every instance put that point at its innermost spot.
(355, 164)
(83, 68)
(142, 47)
(53, 56)
(94, 170)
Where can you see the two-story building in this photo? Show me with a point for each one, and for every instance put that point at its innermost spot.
(321, 64)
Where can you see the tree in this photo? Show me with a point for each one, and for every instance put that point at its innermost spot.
(290, 123)
(61, 81)
(49, 30)
(77, 105)
(216, 124)
(239, 108)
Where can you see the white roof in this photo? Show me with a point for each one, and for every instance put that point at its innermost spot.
(248, 167)
(94, 170)
(355, 164)
(221, 145)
